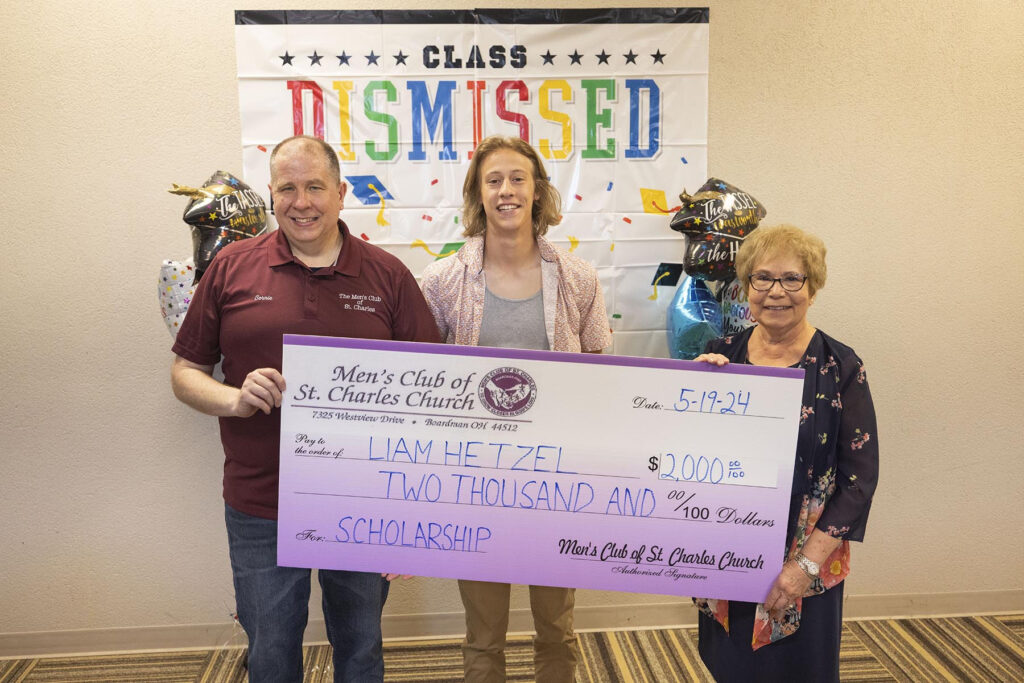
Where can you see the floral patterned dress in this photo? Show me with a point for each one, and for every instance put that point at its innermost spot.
(834, 476)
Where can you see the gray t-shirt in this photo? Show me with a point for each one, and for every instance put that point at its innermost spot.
(514, 323)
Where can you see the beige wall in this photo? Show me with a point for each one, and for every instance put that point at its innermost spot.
(892, 129)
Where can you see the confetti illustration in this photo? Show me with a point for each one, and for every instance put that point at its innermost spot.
(446, 250)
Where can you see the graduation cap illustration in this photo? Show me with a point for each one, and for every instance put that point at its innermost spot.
(668, 274)
(654, 201)
(368, 189)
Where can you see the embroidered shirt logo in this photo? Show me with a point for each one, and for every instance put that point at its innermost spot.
(360, 302)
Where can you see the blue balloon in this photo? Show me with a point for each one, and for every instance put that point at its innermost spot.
(694, 319)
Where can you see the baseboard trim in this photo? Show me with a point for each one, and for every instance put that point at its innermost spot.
(450, 624)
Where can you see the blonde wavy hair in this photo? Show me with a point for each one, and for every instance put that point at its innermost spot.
(546, 207)
(763, 243)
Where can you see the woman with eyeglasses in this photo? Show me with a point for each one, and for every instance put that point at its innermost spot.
(794, 634)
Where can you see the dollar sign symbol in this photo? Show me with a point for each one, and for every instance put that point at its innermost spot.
(653, 460)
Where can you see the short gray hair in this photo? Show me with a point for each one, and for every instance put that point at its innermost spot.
(329, 154)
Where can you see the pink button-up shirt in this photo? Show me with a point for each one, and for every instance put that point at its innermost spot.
(574, 313)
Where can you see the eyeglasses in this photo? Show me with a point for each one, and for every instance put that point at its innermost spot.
(762, 282)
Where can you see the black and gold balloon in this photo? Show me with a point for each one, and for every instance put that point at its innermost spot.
(222, 211)
(715, 221)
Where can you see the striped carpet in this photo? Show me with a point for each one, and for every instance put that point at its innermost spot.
(988, 648)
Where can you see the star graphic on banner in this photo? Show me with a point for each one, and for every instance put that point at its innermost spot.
(372, 58)
(286, 58)
(343, 58)
(233, 182)
(575, 57)
(400, 58)
(659, 58)
(315, 58)
(630, 57)
(602, 58)
(548, 57)
(213, 215)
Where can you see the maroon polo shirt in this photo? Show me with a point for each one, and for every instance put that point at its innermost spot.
(254, 292)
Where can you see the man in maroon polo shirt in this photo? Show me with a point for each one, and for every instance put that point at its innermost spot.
(295, 280)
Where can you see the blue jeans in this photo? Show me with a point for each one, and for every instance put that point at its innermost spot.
(273, 603)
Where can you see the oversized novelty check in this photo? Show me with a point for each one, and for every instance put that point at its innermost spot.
(560, 469)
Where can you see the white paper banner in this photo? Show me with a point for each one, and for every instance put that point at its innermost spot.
(615, 101)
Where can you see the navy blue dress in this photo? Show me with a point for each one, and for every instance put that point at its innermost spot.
(834, 477)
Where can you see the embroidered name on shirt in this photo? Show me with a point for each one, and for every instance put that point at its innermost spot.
(359, 302)
(262, 297)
